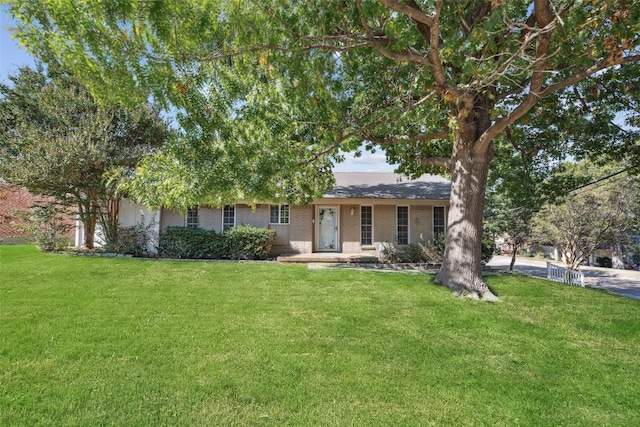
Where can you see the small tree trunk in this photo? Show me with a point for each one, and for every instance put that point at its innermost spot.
(88, 223)
(513, 257)
(109, 215)
(461, 269)
(89, 232)
(617, 256)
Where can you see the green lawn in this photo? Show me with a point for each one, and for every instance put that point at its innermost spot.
(96, 341)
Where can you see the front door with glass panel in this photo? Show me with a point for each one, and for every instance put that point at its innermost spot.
(327, 229)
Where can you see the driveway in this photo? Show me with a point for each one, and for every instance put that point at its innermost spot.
(622, 282)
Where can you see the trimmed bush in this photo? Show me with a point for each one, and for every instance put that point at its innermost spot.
(247, 242)
(240, 242)
(187, 242)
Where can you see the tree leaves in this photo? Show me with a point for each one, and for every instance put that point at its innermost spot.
(57, 141)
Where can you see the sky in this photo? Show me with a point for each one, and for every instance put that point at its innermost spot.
(13, 56)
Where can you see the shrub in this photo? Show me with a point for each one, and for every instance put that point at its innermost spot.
(241, 242)
(433, 249)
(388, 253)
(604, 261)
(413, 253)
(187, 242)
(132, 240)
(247, 242)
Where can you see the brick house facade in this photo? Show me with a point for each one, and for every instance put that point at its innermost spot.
(363, 211)
(12, 199)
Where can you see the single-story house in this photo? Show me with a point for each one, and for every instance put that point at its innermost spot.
(360, 213)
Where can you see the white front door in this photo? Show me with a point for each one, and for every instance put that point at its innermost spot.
(327, 229)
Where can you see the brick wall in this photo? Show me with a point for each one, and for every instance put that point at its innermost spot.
(170, 218)
(13, 199)
(210, 219)
(301, 229)
(420, 223)
(258, 217)
(384, 224)
(350, 228)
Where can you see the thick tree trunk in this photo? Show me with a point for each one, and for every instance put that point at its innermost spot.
(461, 269)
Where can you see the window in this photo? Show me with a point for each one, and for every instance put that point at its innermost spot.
(191, 220)
(228, 217)
(438, 221)
(279, 214)
(402, 221)
(366, 225)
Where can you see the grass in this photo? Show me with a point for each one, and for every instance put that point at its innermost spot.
(95, 341)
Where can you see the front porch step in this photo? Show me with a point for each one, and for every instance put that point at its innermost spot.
(330, 257)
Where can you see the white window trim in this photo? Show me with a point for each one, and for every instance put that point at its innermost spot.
(372, 226)
(186, 217)
(408, 223)
(235, 213)
(280, 215)
(433, 220)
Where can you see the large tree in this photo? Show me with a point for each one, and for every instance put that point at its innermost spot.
(55, 140)
(278, 87)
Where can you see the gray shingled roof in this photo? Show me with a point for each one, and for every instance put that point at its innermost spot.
(373, 185)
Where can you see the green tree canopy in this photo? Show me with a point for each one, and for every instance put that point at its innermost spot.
(57, 141)
(278, 87)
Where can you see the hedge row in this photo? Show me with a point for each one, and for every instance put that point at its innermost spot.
(240, 242)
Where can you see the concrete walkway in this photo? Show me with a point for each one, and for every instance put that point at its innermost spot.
(622, 282)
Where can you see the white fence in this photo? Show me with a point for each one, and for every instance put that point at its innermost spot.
(564, 275)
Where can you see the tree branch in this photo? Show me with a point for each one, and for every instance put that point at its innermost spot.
(533, 97)
(436, 63)
(373, 41)
(444, 162)
(416, 137)
(421, 26)
(604, 64)
(546, 23)
(413, 13)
